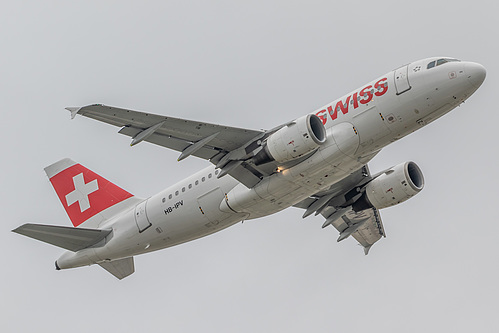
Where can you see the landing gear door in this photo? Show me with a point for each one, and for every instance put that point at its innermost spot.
(402, 79)
(141, 216)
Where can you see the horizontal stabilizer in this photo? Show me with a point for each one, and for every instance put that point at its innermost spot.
(69, 238)
(120, 268)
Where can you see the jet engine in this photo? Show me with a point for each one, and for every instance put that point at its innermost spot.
(392, 187)
(293, 140)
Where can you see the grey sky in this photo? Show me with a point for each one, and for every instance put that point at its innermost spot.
(256, 66)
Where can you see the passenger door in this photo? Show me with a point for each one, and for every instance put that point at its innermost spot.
(402, 79)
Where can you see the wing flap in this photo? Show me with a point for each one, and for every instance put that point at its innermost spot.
(230, 138)
(340, 188)
(219, 144)
(247, 176)
(365, 226)
(205, 152)
(371, 230)
(69, 238)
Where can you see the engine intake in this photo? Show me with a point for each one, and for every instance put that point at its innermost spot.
(394, 186)
(293, 141)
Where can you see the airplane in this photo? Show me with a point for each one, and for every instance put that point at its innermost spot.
(317, 162)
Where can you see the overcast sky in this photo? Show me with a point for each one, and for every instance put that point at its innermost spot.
(255, 66)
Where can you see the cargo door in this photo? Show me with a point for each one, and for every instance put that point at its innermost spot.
(371, 127)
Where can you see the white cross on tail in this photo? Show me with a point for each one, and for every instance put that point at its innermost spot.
(81, 192)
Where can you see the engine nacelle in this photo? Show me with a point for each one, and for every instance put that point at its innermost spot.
(391, 188)
(293, 141)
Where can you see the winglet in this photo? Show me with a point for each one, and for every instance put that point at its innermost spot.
(73, 110)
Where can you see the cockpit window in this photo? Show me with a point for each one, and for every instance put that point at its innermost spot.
(440, 62)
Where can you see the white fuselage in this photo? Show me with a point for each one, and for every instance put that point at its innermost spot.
(358, 126)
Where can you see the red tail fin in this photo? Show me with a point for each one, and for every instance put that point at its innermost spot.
(82, 192)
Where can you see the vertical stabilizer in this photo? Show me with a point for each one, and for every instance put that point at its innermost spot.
(84, 194)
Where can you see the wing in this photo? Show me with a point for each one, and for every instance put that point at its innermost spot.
(335, 204)
(365, 226)
(228, 148)
(169, 132)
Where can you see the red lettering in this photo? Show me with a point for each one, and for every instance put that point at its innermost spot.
(363, 92)
(381, 87)
(322, 116)
(366, 95)
(355, 101)
(339, 106)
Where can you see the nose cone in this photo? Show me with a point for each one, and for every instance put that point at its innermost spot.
(476, 73)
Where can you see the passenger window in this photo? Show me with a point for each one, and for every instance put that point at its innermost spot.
(431, 65)
(170, 196)
(176, 192)
(203, 179)
(197, 182)
(183, 189)
(216, 172)
(209, 176)
(190, 186)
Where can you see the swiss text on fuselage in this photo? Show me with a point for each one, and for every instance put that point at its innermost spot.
(361, 97)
